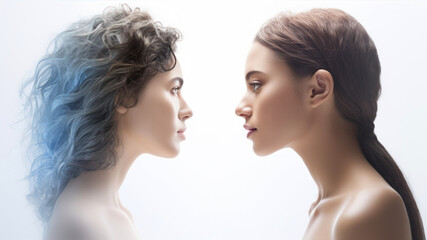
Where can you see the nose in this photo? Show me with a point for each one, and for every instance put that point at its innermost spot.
(243, 109)
(185, 111)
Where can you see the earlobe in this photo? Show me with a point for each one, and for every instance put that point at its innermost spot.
(321, 88)
(121, 109)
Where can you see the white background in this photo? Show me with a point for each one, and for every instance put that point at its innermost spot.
(217, 188)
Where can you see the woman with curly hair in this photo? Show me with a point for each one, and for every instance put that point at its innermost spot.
(107, 91)
(313, 81)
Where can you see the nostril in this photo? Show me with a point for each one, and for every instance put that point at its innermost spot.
(185, 117)
(243, 112)
(189, 115)
(184, 114)
(243, 115)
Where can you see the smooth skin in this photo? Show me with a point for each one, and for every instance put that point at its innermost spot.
(280, 111)
(89, 207)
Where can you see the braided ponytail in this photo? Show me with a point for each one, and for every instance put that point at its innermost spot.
(381, 160)
(332, 40)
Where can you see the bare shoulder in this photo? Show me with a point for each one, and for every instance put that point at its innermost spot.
(79, 220)
(374, 213)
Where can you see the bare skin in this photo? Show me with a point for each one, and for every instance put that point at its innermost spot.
(280, 111)
(89, 207)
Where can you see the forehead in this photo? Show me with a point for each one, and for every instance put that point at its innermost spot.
(260, 58)
(164, 77)
(263, 59)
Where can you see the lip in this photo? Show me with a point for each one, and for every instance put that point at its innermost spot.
(250, 128)
(180, 133)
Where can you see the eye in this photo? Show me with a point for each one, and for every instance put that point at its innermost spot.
(175, 90)
(255, 85)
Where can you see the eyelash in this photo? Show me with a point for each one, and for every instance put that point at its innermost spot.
(255, 84)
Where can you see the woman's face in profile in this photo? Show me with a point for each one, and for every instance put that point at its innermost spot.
(155, 124)
(272, 106)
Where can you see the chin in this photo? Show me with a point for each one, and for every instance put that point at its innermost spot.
(171, 155)
(170, 152)
(263, 150)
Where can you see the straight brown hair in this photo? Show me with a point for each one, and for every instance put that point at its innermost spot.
(333, 40)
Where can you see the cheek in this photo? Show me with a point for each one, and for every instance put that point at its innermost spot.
(152, 120)
(280, 112)
(159, 115)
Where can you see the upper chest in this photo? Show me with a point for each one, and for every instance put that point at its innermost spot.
(323, 219)
(121, 226)
(91, 221)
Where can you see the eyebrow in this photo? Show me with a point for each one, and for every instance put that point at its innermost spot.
(249, 74)
(179, 79)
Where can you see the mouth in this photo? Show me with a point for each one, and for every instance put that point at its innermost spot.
(250, 129)
(180, 133)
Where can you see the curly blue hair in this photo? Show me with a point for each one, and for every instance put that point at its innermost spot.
(89, 70)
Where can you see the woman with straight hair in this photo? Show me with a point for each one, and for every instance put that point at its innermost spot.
(107, 91)
(313, 81)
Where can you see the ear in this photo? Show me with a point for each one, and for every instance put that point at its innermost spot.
(321, 87)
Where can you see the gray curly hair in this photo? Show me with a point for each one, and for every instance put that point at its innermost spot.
(89, 70)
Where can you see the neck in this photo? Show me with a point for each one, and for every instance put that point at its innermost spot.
(105, 184)
(333, 157)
